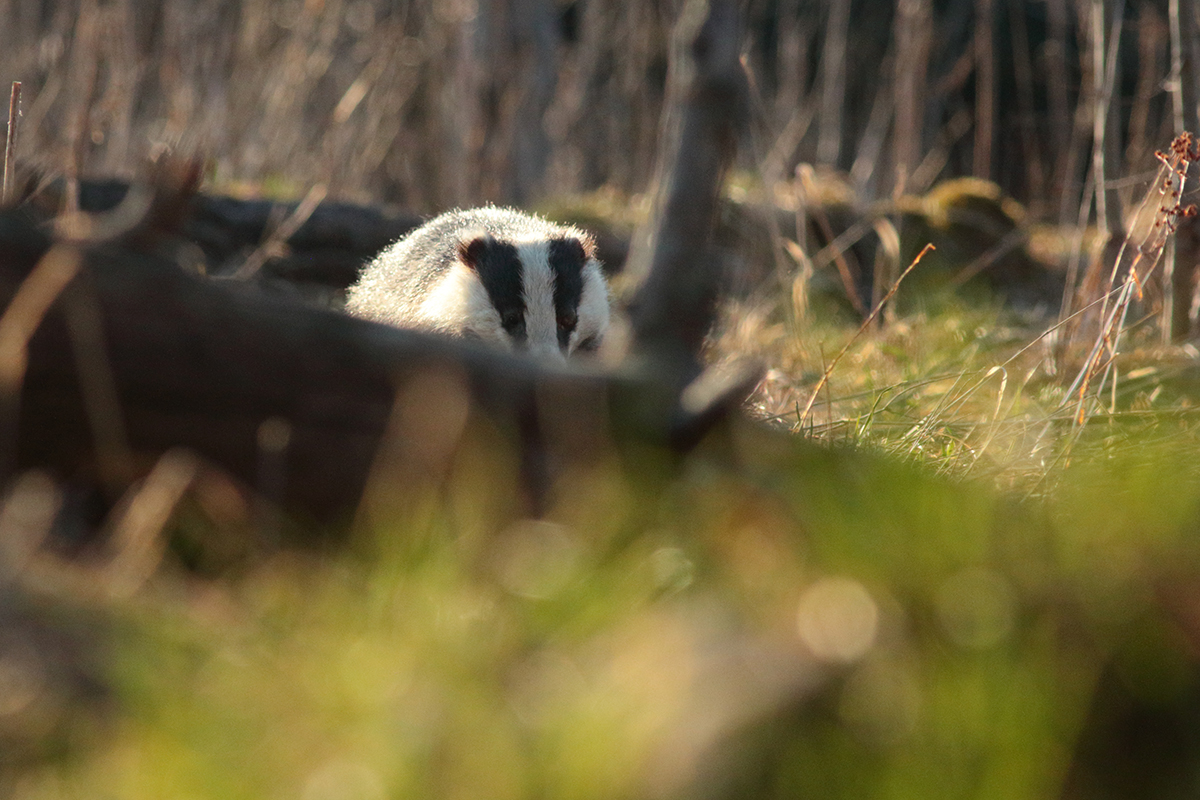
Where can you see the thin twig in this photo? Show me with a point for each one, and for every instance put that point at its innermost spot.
(861, 329)
(833, 85)
(1170, 211)
(286, 230)
(85, 70)
(138, 524)
(910, 67)
(1104, 60)
(985, 89)
(8, 189)
(24, 314)
(808, 186)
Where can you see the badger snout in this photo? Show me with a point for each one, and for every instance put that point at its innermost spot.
(549, 353)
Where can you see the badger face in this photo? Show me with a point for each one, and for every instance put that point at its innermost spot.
(544, 296)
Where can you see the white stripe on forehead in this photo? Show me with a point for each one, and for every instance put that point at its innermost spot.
(541, 321)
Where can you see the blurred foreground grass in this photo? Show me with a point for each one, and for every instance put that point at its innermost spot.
(776, 618)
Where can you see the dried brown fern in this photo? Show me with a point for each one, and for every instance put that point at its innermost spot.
(1132, 262)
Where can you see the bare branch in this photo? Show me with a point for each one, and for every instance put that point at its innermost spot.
(675, 270)
(8, 188)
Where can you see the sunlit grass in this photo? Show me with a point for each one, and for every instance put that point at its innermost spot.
(969, 389)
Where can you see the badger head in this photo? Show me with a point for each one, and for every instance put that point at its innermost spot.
(546, 295)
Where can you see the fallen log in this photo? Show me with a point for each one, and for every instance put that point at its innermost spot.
(328, 248)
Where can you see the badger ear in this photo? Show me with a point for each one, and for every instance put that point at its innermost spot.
(470, 251)
(589, 246)
(580, 248)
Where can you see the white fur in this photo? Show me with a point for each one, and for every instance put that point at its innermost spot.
(541, 323)
(593, 305)
(460, 304)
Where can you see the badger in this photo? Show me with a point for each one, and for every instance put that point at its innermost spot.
(494, 274)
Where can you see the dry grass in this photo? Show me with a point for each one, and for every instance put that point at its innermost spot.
(980, 389)
(432, 104)
(969, 391)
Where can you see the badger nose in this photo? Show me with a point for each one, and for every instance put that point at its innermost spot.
(549, 354)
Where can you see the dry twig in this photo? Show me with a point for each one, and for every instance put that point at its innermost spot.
(279, 237)
(861, 329)
(8, 188)
(1148, 250)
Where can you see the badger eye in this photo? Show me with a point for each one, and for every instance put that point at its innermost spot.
(567, 320)
(589, 345)
(510, 319)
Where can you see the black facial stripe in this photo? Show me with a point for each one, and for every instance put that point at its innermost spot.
(567, 258)
(499, 270)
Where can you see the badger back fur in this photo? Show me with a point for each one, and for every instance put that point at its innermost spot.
(495, 274)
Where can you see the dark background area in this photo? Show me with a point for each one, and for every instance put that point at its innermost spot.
(433, 104)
